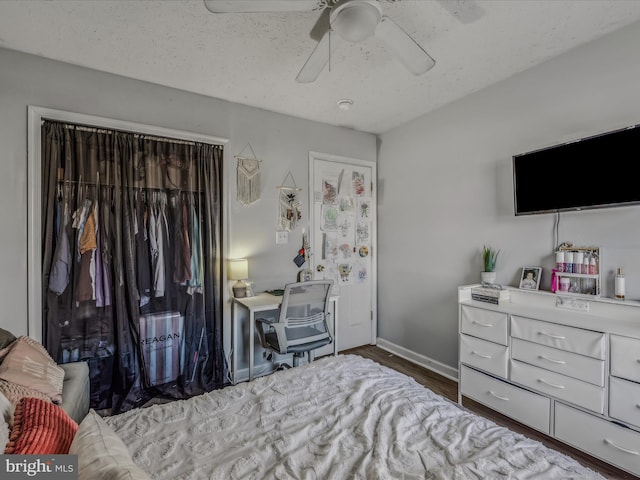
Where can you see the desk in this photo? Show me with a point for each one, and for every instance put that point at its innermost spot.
(261, 303)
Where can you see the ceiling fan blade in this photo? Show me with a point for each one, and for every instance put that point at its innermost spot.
(405, 48)
(316, 62)
(321, 26)
(254, 6)
(466, 11)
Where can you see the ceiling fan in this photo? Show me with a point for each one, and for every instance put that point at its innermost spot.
(352, 20)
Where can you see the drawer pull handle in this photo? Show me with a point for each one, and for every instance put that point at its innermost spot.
(552, 360)
(482, 324)
(542, 380)
(473, 352)
(557, 337)
(631, 452)
(498, 396)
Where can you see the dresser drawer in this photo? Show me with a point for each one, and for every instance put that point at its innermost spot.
(625, 357)
(571, 339)
(624, 401)
(488, 356)
(560, 386)
(485, 324)
(526, 407)
(577, 366)
(608, 441)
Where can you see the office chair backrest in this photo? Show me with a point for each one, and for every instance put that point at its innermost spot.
(306, 304)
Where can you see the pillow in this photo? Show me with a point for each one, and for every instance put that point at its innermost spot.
(4, 434)
(40, 428)
(29, 364)
(6, 409)
(5, 350)
(14, 392)
(6, 419)
(101, 453)
(6, 338)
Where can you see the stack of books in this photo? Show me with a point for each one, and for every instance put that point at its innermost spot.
(496, 296)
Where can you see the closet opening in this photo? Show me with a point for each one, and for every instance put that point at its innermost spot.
(131, 260)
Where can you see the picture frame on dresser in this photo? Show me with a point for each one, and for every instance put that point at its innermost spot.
(530, 278)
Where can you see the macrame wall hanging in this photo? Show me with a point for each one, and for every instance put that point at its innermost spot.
(248, 178)
(290, 208)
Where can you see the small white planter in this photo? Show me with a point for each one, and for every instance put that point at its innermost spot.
(488, 277)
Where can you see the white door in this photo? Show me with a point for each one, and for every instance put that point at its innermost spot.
(343, 233)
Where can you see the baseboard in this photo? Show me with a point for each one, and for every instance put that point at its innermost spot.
(426, 362)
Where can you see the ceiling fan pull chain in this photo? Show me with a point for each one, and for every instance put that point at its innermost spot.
(329, 50)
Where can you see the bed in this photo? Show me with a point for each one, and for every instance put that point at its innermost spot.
(342, 417)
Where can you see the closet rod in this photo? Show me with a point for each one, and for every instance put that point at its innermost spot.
(159, 189)
(109, 131)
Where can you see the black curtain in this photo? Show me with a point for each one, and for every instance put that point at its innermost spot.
(131, 258)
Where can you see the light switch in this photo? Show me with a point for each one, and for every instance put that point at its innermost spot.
(282, 237)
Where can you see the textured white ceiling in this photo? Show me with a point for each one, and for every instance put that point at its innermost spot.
(253, 59)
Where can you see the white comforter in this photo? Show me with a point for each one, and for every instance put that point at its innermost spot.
(341, 417)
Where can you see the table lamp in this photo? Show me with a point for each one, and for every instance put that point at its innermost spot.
(239, 270)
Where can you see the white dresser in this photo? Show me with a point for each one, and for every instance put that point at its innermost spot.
(568, 367)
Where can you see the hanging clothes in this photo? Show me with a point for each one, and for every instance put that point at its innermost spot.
(103, 255)
(62, 259)
(196, 280)
(80, 217)
(87, 244)
(143, 259)
(182, 255)
(158, 234)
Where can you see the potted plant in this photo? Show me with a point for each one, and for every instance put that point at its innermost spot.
(489, 260)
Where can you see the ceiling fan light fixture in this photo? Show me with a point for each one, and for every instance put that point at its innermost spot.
(345, 104)
(356, 20)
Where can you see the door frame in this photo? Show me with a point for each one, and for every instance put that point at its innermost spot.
(374, 227)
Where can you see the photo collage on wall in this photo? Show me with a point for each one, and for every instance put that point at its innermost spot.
(345, 222)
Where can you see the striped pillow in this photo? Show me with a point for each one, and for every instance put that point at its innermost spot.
(40, 428)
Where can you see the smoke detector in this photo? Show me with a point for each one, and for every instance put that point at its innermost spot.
(345, 104)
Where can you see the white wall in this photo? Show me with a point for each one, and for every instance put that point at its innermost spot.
(456, 165)
(282, 142)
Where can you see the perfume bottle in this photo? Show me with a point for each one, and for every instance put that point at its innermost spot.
(593, 269)
(568, 262)
(620, 284)
(560, 261)
(577, 262)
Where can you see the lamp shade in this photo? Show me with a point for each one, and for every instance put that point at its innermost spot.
(238, 269)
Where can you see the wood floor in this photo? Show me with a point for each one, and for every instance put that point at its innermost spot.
(449, 389)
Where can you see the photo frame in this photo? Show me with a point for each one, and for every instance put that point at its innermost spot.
(530, 278)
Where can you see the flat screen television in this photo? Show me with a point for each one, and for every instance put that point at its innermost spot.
(594, 172)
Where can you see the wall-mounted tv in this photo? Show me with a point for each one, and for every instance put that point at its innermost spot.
(594, 172)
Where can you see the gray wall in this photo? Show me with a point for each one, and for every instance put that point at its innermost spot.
(450, 191)
(282, 142)
(446, 189)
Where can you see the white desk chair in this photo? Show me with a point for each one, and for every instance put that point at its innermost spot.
(302, 324)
